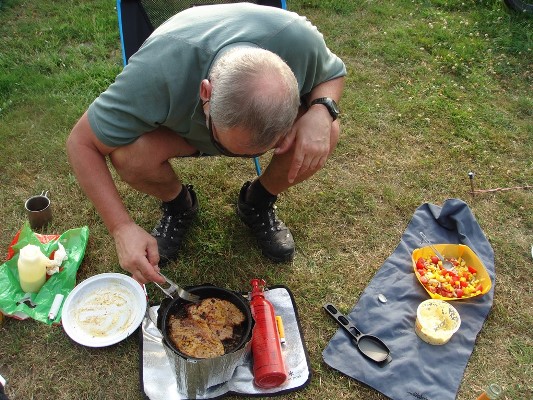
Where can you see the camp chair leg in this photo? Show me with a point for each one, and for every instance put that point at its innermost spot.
(257, 166)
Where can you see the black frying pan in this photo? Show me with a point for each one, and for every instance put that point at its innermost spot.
(178, 307)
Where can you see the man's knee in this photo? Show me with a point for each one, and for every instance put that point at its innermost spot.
(126, 164)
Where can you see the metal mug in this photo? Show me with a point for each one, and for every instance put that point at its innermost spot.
(39, 210)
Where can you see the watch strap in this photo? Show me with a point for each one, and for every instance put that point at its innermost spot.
(329, 103)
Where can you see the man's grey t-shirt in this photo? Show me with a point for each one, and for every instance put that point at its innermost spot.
(160, 86)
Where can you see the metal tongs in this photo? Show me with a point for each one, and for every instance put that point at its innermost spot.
(174, 291)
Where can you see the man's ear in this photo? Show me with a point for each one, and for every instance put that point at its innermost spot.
(205, 90)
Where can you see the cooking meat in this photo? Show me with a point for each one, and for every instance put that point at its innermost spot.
(194, 338)
(220, 315)
(207, 324)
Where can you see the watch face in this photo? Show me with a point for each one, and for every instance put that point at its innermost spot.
(334, 106)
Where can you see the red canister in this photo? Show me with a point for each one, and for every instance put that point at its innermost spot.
(268, 365)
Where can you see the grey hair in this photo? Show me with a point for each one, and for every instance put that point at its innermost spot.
(256, 90)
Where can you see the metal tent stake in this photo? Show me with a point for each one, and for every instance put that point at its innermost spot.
(471, 176)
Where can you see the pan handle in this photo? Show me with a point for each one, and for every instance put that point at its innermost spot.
(342, 321)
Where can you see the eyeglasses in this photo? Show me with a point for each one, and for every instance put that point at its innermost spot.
(225, 151)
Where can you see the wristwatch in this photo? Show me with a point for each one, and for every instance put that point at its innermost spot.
(330, 104)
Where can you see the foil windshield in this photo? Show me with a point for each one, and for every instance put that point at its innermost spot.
(197, 378)
(167, 376)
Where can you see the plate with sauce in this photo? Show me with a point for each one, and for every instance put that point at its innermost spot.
(104, 309)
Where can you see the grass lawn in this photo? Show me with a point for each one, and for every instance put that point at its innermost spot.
(435, 89)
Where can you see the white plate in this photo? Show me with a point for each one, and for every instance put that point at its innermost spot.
(104, 309)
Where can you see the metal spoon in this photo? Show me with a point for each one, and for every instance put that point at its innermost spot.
(173, 291)
(445, 263)
(370, 346)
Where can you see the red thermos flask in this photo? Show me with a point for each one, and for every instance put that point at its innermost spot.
(268, 365)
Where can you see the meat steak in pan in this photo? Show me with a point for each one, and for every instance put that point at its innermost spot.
(200, 334)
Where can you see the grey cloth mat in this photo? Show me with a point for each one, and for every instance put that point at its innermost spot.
(158, 381)
(418, 370)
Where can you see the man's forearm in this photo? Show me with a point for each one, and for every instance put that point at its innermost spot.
(332, 89)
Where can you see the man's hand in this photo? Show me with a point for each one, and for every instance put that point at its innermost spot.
(310, 136)
(137, 253)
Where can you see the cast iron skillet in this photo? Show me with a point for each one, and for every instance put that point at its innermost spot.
(177, 307)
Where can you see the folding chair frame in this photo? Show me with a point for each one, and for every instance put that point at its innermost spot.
(139, 27)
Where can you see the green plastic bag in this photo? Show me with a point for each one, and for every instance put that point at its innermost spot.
(75, 242)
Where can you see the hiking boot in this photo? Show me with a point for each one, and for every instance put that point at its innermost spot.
(172, 227)
(273, 236)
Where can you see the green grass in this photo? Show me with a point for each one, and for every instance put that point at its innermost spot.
(435, 89)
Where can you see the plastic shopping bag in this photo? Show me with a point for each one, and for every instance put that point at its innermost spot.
(13, 301)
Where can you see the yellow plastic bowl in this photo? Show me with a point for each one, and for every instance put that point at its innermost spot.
(455, 251)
